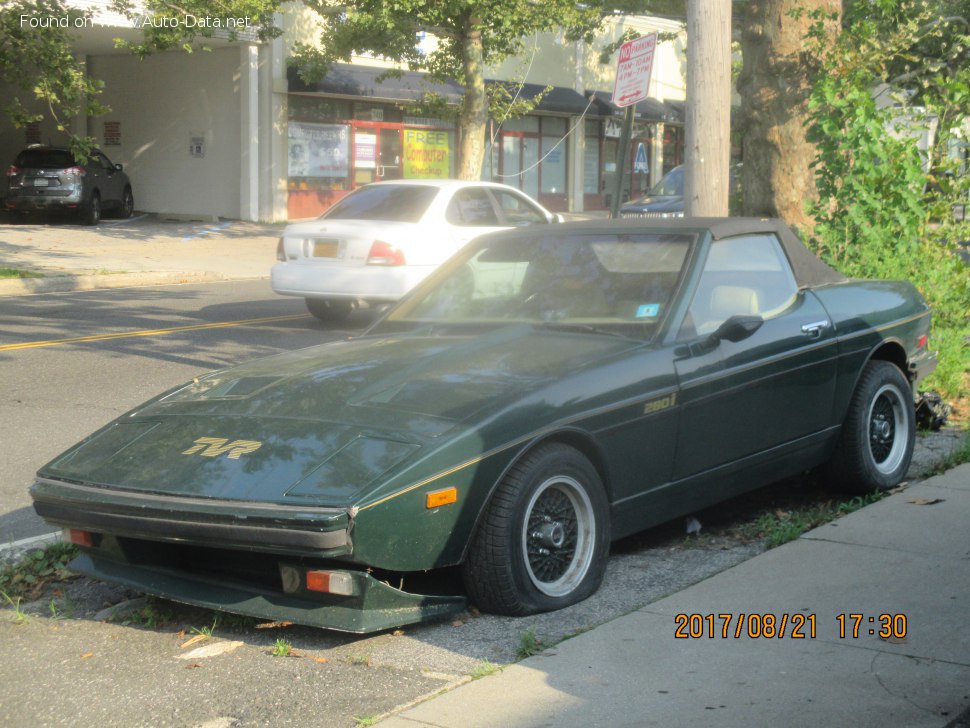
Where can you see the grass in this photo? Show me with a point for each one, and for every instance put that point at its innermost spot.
(20, 617)
(282, 648)
(365, 720)
(484, 669)
(26, 578)
(19, 273)
(781, 526)
(529, 644)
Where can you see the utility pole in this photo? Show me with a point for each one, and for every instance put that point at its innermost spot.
(708, 108)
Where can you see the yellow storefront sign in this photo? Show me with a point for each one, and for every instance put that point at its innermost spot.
(426, 154)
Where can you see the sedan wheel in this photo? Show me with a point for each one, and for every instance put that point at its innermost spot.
(328, 309)
(879, 433)
(544, 538)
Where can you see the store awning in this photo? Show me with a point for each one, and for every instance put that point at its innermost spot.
(362, 82)
(647, 110)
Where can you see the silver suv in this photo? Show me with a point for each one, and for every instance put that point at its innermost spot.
(50, 179)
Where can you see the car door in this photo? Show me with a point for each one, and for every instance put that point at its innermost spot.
(111, 180)
(764, 395)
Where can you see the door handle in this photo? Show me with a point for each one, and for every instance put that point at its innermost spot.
(814, 330)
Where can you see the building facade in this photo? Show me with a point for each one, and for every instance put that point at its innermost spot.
(236, 133)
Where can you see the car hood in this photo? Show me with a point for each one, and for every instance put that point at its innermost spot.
(659, 203)
(325, 423)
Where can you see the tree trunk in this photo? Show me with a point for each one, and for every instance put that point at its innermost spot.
(776, 177)
(474, 111)
(708, 144)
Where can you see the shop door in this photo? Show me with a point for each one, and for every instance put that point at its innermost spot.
(377, 152)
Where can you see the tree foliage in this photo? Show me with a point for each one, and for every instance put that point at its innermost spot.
(469, 35)
(38, 59)
(40, 64)
(884, 207)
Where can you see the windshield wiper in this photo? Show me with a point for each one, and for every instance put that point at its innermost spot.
(582, 328)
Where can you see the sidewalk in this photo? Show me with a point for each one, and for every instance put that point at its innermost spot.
(908, 554)
(141, 251)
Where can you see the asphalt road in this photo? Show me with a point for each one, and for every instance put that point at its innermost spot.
(71, 362)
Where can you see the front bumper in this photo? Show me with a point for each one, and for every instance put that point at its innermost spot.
(271, 528)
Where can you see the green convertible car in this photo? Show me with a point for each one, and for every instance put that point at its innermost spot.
(541, 394)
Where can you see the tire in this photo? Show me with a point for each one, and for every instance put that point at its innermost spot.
(127, 204)
(876, 443)
(92, 215)
(328, 309)
(543, 541)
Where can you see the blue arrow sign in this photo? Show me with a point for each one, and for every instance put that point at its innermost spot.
(640, 163)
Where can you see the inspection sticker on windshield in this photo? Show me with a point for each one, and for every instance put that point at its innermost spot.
(648, 310)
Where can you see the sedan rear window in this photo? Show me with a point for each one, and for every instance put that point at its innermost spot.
(48, 158)
(392, 203)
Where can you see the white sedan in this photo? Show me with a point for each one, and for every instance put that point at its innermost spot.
(379, 241)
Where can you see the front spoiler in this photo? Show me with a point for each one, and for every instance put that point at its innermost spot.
(375, 605)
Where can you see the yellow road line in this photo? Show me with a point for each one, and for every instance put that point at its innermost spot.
(149, 332)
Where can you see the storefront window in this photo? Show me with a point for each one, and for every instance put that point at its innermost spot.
(553, 165)
(673, 147)
(320, 152)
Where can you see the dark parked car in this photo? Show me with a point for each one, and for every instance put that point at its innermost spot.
(51, 179)
(666, 198)
(545, 391)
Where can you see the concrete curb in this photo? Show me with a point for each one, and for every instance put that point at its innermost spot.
(80, 282)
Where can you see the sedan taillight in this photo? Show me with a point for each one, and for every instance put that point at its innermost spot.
(382, 253)
(280, 251)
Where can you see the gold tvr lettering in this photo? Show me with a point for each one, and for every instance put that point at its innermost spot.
(211, 447)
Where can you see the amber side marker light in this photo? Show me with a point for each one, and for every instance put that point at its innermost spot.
(438, 498)
(330, 582)
(79, 537)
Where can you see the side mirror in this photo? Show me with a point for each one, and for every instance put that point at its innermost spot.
(118, 167)
(556, 218)
(737, 328)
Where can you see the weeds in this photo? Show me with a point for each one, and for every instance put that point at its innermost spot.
(958, 457)
(27, 577)
(529, 644)
(20, 617)
(365, 720)
(205, 633)
(781, 526)
(484, 669)
(282, 648)
(155, 613)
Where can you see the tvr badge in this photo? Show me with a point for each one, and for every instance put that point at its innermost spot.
(212, 447)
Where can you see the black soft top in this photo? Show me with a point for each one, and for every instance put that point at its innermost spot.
(808, 269)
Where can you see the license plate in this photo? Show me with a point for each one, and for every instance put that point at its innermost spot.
(326, 249)
(41, 182)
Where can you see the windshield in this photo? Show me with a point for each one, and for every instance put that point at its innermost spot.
(670, 185)
(392, 203)
(607, 283)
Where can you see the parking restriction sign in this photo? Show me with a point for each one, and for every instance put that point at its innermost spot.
(633, 70)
